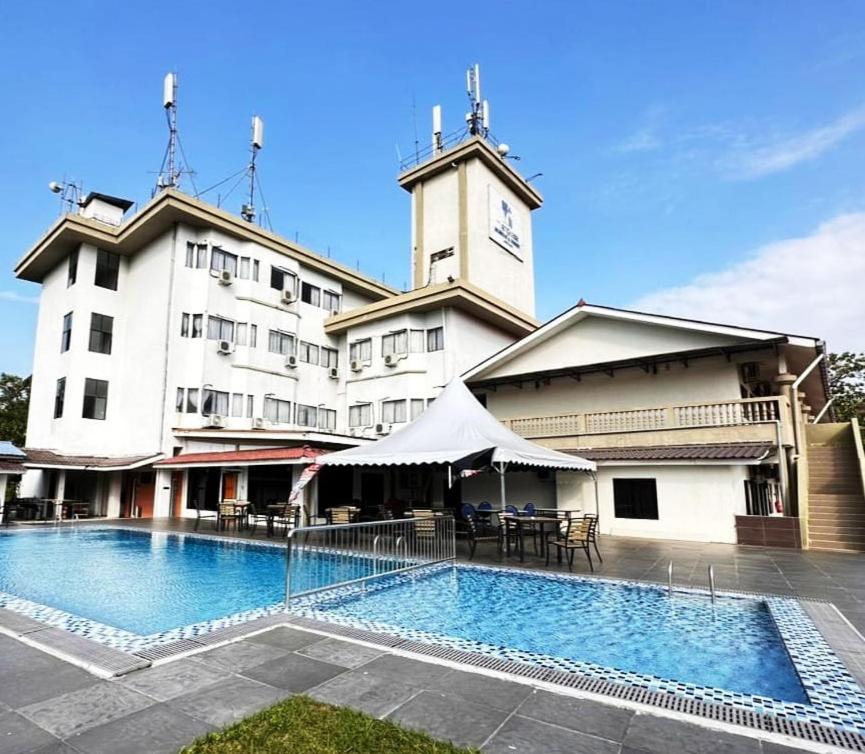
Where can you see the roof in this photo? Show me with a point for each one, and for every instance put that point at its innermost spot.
(7, 449)
(261, 456)
(733, 451)
(40, 458)
(459, 294)
(456, 430)
(115, 201)
(11, 467)
(156, 218)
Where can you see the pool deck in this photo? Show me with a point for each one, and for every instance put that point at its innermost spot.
(48, 705)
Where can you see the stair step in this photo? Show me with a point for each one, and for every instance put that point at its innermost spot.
(836, 519)
(837, 532)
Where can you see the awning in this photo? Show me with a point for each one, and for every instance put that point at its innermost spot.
(39, 458)
(732, 452)
(256, 457)
(456, 430)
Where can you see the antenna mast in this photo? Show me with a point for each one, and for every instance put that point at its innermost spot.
(169, 173)
(478, 117)
(247, 211)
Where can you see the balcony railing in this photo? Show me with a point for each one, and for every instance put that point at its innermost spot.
(691, 415)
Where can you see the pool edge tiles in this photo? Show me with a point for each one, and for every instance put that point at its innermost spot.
(835, 698)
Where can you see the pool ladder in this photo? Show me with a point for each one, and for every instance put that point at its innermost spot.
(711, 581)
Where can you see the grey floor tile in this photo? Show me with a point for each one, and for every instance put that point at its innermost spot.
(294, 672)
(58, 747)
(368, 693)
(522, 735)
(404, 670)
(503, 695)
(155, 730)
(239, 656)
(19, 735)
(32, 676)
(344, 653)
(285, 638)
(167, 681)
(449, 717)
(76, 711)
(584, 715)
(662, 735)
(227, 701)
(770, 747)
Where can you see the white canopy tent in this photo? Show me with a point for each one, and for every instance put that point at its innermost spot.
(457, 431)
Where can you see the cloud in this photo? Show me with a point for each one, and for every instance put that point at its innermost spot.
(18, 298)
(806, 286)
(647, 137)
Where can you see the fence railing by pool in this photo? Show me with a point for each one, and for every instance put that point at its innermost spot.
(325, 557)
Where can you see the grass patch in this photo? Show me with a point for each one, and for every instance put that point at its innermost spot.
(300, 724)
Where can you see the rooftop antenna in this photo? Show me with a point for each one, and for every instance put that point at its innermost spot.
(169, 173)
(247, 211)
(478, 117)
(71, 194)
(437, 129)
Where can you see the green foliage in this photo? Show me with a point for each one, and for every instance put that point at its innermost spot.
(847, 384)
(300, 725)
(14, 401)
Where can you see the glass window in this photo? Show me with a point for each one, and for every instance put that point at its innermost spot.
(281, 342)
(221, 260)
(184, 325)
(327, 419)
(95, 399)
(253, 336)
(361, 350)
(240, 334)
(59, 397)
(360, 415)
(393, 412)
(283, 280)
(190, 254)
(255, 270)
(197, 325)
(310, 294)
(635, 498)
(201, 256)
(107, 268)
(66, 337)
(180, 400)
(329, 357)
(244, 268)
(192, 401)
(277, 411)
(72, 271)
(249, 406)
(330, 301)
(435, 339)
(416, 341)
(220, 329)
(417, 407)
(395, 342)
(237, 404)
(308, 352)
(306, 415)
(101, 329)
(214, 402)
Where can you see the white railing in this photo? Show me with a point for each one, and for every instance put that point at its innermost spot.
(719, 414)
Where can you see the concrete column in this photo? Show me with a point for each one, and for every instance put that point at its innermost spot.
(3, 480)
(59, 494)
(162, 494)
(115, 486)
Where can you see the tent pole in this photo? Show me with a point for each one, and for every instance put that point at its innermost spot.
(597, 504)
(504, 497)
(450, 477)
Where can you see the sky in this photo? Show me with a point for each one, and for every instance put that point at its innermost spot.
(698, 159)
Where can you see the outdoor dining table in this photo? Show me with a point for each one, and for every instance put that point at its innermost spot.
(520, 523)
(273, 510)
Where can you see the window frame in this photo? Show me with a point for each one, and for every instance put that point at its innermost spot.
(435, 339)
(357, 410)
(392, 406)
(66, 332)
(634, 508)
(221, 322)
(105, 337)
(59, 397)
(224, 256)
(92, 399)
(308, 292)
(354, 350)
(107, 272)
(72, 268)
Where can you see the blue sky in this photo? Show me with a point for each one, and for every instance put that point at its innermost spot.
(699, 158)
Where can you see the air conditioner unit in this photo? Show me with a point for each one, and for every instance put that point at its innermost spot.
(291, 361)
(751, 371)
(259, 422)
(391, 360)
(225, 277)
(333, 373)
(225, 346)
(356, 365)
(288, 296)
(215, 420)
(382, 429)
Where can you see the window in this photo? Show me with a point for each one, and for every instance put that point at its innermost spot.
(196, 254)
(635, 498)
(277, 411)
(220, 329)
(59, 397)
(435, 339)
(243, 273)
(107, 267)
(192, 401)
(393, 412)
(283, 280)
(222, 261)
(253, 336)
(72, 270)
(197, 325)
(101, 328)
(281, 342)
(240, 334)
(95, 399)
(416, 341)
(360, 415)
(214, 402)
(329, 357)
(395, 342)
(179, 400)
(66, 337)
(184, 325)
(327, 419)
(237, 404)
(255, 270)
(308, 353)
(249, 406)
(360, 350)
(306, 415)
(310, 294)
(330, 301)
(417, 407)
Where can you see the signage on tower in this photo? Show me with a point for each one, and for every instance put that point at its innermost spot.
(504, 223)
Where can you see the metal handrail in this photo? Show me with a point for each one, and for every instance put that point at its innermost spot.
(319, 558)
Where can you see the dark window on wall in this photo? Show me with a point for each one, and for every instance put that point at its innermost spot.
(59, 397)
(192, 401)
(330, 300)
(107, 268)
(66, 336)
(214, 402)
(101, 328)
(305, 415)
(635, 498)
(310, 294)
(435, 339)
(95, 399)
(184, 325)
(72, 272)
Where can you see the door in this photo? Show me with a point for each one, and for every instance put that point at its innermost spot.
(145, 487)
(177, 494)
(229, 485)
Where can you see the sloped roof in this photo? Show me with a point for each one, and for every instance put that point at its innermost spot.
(40, 458)
(8, 450)
(242, 457)
(728, 451)
(455, 429)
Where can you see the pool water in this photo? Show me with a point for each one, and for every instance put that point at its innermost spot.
(733, 645)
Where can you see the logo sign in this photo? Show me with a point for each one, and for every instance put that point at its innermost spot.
(504, 223)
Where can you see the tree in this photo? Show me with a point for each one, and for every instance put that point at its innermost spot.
(847, 384)
(14, 401)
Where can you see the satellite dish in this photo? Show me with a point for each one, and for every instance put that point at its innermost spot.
(55, 187)
(503, 150)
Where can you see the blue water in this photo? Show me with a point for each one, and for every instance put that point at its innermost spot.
(733, 645)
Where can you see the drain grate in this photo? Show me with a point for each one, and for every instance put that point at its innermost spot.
(164, 651)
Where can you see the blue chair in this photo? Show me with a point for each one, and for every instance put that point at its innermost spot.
(468, 511)
(485, 506)
(511, 510)
(529, 509)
